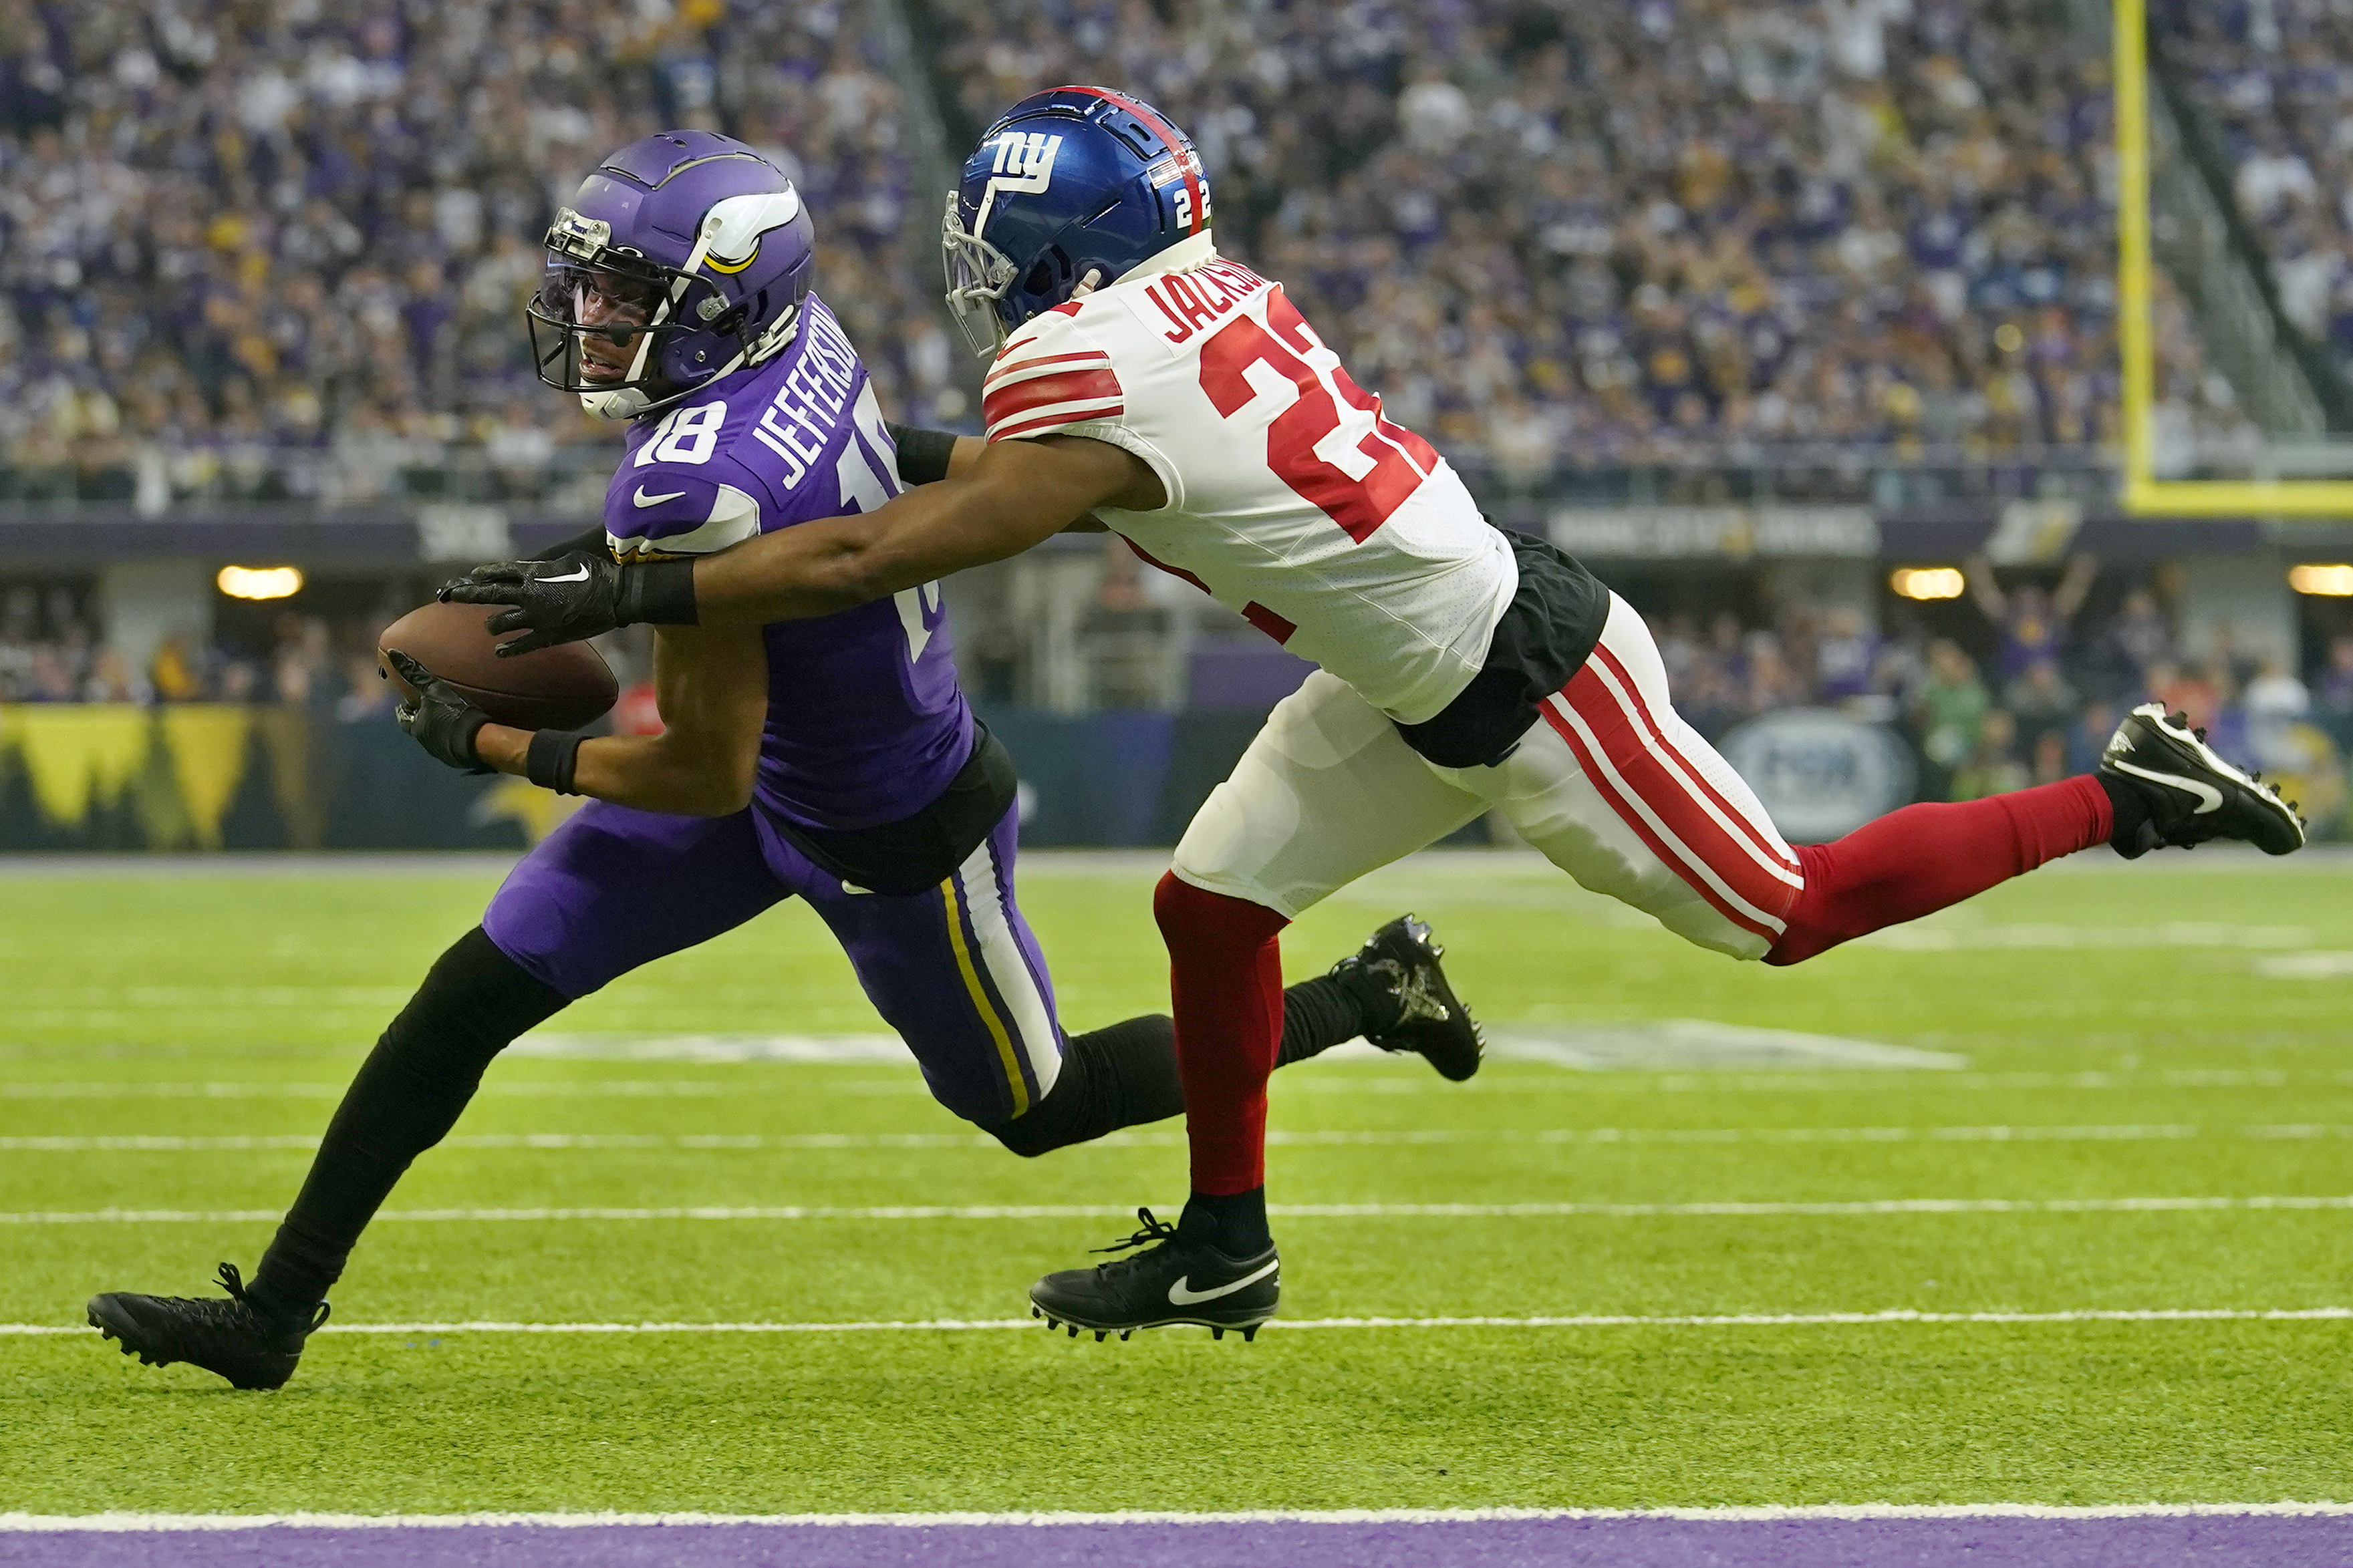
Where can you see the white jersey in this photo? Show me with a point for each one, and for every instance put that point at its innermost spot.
(1292, 501)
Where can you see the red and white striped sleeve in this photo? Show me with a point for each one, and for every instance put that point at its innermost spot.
(1049, 380)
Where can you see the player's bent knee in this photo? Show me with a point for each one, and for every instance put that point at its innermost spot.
(474, 1002)
(1041, 1130)
(1814, 929)
(1194, 917)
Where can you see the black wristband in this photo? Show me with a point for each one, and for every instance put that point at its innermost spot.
(923, 454)
(661, 592)
(551, 758)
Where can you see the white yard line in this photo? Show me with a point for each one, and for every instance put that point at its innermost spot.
(1513, 1083)
(1892, 1316)
(1732, 1209)
(112, 1522)
(1382, 1138)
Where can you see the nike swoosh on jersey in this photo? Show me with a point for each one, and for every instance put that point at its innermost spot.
(2208, 797)
(579, 576)
(641, 499)
(1179, 1296)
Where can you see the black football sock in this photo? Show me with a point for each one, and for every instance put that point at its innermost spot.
(474, 1002)
(1233, 1223)
(1125, 1075)
(1111, 1078)
(1329, 1010)
(2129, 801)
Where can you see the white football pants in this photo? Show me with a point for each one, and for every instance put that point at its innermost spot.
(1610, 784)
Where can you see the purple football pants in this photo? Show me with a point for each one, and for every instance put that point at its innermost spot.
(955, 970)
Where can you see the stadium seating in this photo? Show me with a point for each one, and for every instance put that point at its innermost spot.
(1618, 249)
(254, 255)
(2271, 81)
(1623, 232)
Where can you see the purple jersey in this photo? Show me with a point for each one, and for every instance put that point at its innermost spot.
(866, 724)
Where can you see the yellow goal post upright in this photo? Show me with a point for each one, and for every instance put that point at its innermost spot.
(2143, 492)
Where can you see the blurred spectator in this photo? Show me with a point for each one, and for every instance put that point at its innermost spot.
(2049, 760)
(304, 671)
(2185, 690)
(2041, 701)
(2333, 702)
(1950, 706)
(2088, 738)
(2275, 702)
(1846, 659)
(1990, 767)
(2032, 624)
(2137, 641)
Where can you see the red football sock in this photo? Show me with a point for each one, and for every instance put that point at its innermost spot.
(1917, 860)
(1225, 986)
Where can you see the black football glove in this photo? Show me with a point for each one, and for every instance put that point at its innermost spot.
(572, 598)
(437, 718)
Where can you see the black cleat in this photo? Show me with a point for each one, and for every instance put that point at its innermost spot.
(1181, 1279)
(2193, 795)
(1397, 970)
(232, 1338)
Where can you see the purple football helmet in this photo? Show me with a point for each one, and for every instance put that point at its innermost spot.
(685, 257)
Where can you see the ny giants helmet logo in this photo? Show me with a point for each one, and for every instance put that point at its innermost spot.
(1023, 166)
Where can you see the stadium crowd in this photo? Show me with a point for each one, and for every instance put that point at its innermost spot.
(2271, 77)
(259, 250)
(2026, 689)
(1643, 231)
(2039, 697)
(53, 649)
(262, 251)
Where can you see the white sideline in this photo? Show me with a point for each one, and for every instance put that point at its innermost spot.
(139, 1143)
(1903, 1315)
(1280, 1211)
(119, 1522)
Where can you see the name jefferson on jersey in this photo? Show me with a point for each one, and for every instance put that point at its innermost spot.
(865, 722)
(1292, 501)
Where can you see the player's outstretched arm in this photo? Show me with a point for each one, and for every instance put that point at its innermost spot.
(1018, 493)
(713, 690)
(927, 457)
(1015, 495)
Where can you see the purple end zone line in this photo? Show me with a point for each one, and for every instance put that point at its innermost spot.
(2206, 1540)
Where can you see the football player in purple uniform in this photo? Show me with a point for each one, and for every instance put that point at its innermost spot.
(834, 758)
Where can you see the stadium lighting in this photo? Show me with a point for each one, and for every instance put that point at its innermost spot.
(260, 582)
(1927, 582)
(2321, 582)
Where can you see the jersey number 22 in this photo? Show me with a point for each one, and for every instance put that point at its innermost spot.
(1359, 486)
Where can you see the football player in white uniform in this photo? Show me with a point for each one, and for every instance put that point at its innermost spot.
(1180, 398)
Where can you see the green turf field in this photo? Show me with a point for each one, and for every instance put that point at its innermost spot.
(2158, 1031)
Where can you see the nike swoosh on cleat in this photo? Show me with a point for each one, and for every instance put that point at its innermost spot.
(1179, 1296)
(642, 498)
(579, 576)
(2209, 798)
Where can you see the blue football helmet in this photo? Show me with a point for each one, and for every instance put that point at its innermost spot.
(697, 253)
(1070, 190)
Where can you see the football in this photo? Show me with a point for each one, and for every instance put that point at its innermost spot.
(567, 687)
